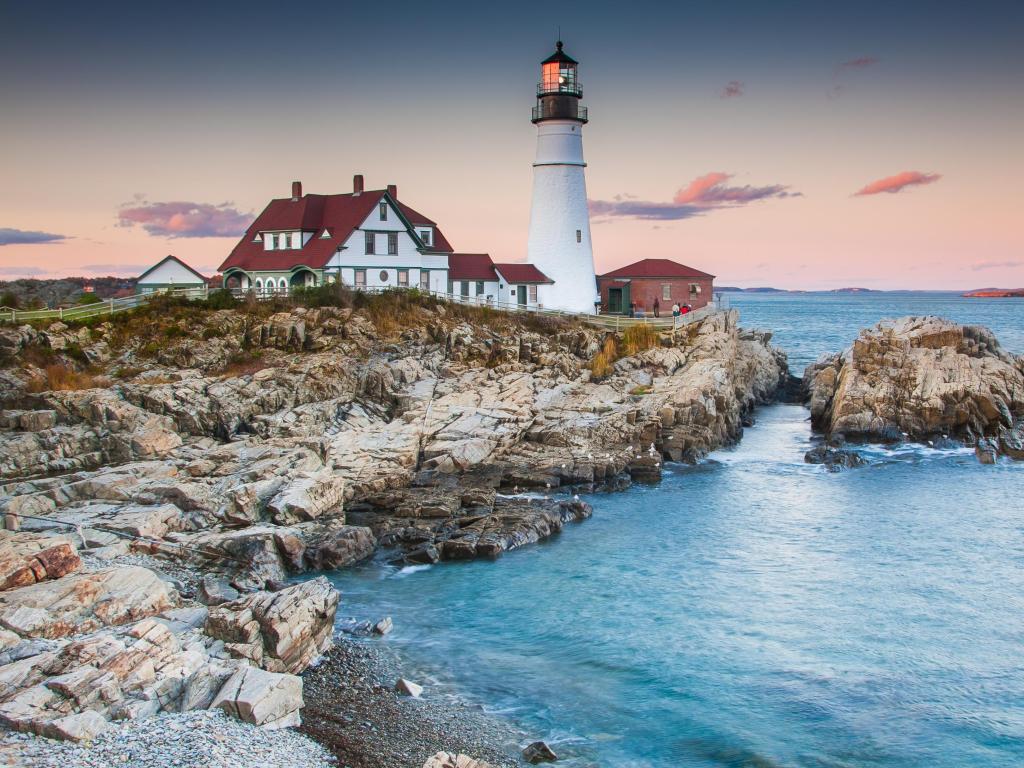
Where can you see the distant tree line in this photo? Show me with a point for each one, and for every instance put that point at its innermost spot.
(37, 294)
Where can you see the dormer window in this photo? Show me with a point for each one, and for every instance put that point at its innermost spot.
(383, 211)
(425, 236)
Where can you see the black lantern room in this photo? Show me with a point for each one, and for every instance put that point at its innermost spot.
(559, 91)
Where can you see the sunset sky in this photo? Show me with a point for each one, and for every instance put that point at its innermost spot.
(791, 144)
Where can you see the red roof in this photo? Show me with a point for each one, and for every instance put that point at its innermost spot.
(340, 215)
(656, 268)
(522, 273)
(471, 266)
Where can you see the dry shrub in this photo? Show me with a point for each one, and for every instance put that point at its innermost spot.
(243, 364)
(604, 361)
(637, 338)
(57, 377)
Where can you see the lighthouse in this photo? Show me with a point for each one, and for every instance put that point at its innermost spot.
(559, 241)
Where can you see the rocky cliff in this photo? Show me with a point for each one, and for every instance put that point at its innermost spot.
(921, 378)
(164, 476)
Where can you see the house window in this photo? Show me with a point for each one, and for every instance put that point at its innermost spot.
(666, 292)
(533, 294)
(383, 275)
(259, 285)
(694, 289)
(370, 249)
(479, 287)
(451, 287)
(425, 236)
(424, 279)
(360, 278)
(403, 278)
(579, 235)
(282, 285)
(464, 288)
(383, 211)
(392, 243)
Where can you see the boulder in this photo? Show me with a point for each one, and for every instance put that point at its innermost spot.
(408, 688)
(539, 752)
(834, 459)
(267, 699)
(81, 726)
(334, 545)
(281, 631)
(307, 497)
(27, 558)
(452, 760)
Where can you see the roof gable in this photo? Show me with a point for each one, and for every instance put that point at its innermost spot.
(164, 260)
(656, 268)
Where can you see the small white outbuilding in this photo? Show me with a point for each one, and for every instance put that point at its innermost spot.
(169, 273)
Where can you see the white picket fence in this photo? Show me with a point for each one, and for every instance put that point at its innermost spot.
(104, 307)
(113, 306)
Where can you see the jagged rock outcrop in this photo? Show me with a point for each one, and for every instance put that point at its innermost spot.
(920, 378)
(174, 660)
(451, 760)
(278, 631)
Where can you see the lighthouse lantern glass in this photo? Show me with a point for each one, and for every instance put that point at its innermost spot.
(558, 76)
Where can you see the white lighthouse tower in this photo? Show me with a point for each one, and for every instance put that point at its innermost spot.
(559, 243)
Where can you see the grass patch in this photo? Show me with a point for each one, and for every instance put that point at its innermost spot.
(59, 377)
(637, 338)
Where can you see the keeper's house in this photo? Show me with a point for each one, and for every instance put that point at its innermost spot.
(169, 273)
(641, 283)
(365, 239)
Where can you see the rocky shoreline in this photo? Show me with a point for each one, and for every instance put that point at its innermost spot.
(165, 501)
(159, 497)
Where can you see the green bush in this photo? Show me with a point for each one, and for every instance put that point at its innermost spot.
(221, 299)
(88, 298)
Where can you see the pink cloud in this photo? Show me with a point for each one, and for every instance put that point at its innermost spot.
(705, 193)
(732, 89)
(711, 189)
(186, 219)
(898, 183)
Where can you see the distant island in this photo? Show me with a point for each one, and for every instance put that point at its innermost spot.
(996, 293)
(854, 290)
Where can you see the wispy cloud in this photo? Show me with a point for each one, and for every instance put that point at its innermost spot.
(898, 183)
(10, 236)
(861, 62)
(732, 89)
(981, 266)
(705, 193)
(23, 271)
(185, 219)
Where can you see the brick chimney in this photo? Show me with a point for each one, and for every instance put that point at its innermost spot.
(296, 190)
(357, 184)
(393, 191)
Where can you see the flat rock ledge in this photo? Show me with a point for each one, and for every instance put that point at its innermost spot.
(922, 379)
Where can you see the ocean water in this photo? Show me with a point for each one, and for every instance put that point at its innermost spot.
(752, 610)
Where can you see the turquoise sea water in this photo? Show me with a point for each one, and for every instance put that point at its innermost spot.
(753, 610)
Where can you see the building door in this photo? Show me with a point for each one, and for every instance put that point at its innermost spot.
(615, 301)
(521, 295)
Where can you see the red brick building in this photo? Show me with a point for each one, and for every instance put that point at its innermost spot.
(647, 280)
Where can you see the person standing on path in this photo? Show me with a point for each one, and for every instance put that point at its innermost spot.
(657, 308)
